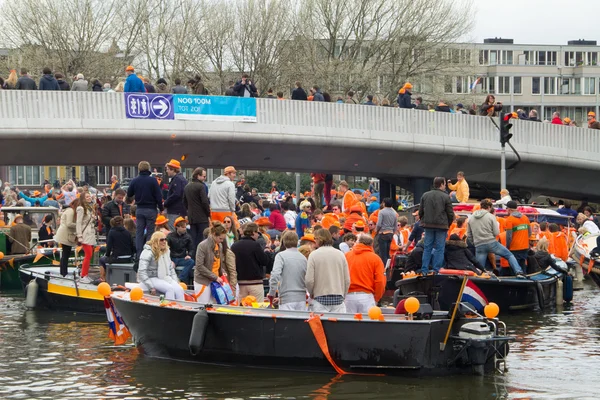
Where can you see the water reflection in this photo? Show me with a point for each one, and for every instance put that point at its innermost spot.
(62, 355)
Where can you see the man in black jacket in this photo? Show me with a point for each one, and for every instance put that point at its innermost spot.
(25, 82)
(436, 214)
(119, 245)
(250, 263)
(48, 81)
(114, 208)
(174, 201)
(148, 198)
(195, 200)
(299, 93)
(182, 249)
(245, 87)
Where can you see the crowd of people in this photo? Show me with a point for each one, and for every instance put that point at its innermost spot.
(332, 243)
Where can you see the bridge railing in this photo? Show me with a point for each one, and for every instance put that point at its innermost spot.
(538, 142)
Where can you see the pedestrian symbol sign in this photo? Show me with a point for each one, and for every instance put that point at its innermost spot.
(149, 106)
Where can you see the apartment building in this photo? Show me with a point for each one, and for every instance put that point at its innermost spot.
(548, 78)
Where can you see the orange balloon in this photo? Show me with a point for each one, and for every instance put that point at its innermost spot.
(173, 136)
(136, 294)
(491, 310)
(1, 254)
(375, 313)
(411, 305)
(183, 285)
(104, 289)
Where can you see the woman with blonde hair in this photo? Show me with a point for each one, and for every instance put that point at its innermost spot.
(86, 233)
(120, 87)
(157, 271)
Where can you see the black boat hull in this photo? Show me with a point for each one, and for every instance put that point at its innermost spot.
(267, 339)
(511, 294)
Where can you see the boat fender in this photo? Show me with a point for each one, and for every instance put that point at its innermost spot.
(540, 295)
(32, 292)
(568, 288)
(559, 292)
(198, 332)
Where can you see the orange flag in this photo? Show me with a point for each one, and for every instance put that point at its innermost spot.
(54, 262)
(37, 258)
(11, 262)
(97, 249)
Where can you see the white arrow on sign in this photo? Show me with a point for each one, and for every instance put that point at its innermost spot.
(162, 106)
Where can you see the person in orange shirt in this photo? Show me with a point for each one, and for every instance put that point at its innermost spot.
(367, 279)
(544, 232)
(318, 185)
(518, 230)
(354, 216)
(460, 229)
(348, 198)
(559, 241)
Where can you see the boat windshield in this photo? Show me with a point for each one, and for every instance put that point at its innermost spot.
(32, 218)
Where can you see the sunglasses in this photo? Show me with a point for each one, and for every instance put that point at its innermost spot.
(162, 240)
(227, 222)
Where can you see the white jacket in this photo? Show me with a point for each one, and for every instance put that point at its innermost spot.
(222, 195)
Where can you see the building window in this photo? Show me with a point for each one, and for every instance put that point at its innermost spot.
(591, 58)
(503, 85)
(540, 57)
(495, 57)
(517, 85)
(576, 86)
(589, 85)
(103, 175)
(462, 84)
(25, 175)
(550, 85)
(448, 84)
(575, 58)
(535, 85)
(53, 172)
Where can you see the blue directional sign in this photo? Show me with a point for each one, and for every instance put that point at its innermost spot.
(149, 106)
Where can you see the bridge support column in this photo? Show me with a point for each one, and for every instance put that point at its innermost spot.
(387, 189)
(420, 186)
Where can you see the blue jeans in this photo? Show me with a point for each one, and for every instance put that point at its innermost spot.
(453, 198)
(481, 253)
(434, 245)
(144, 227)
(188, 266)
(521, 256)
(385, 242)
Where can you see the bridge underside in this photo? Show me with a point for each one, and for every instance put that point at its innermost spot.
(398, 167)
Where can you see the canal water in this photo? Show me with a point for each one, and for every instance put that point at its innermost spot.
(48, 355)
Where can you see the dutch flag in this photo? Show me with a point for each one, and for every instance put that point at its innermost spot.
(475, 83)
(472, 294)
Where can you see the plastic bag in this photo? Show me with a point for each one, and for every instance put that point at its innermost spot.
(220, 293)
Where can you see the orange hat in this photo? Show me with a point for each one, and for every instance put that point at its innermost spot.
(514, 115)
(359, 224)
(309, 236)
(408, 86)
(355, 208)
(567, 120)
(373, 198)
(333, 192)
(402, 91)
(180, 219)
(329, 220)
(36, 193)
(161, 220)
(129, 68)
(591, 114)
(263, 221)
(229, 170)
(174, 164)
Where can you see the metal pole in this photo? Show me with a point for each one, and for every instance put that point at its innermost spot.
(297, 185)
(503, 168)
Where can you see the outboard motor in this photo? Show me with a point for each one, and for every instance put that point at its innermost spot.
(477, 335)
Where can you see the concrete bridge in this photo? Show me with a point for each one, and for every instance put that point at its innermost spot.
(406, 147)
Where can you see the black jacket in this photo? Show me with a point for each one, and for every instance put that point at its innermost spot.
(250, 259)
(442, 108)
(149, 88)
(174, 202)
(299, 94)
(110, 210)
(414, 261)
(119, 243)
(435, 210)
(195, 200)
(404, 100)
(26, 83)
(545, 260)
(180, 245)
(48, 82)
(96, 87)
(239, 89)
(457, 256)
(63, 85)
(146, 191)
(484, 109)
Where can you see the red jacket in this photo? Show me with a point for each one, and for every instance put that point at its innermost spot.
(277, 220)
(557, 121)
(366, 271)
(317, 177)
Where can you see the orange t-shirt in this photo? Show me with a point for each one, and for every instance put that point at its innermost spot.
(348, 201)
(560, 246)
(501, 223)
(520, 232)
(502, 239)
(216, 267)
(550, 238)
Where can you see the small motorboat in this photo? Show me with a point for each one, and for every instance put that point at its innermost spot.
(45, 288)
(590, 264)
(297, 340)
(537, 292)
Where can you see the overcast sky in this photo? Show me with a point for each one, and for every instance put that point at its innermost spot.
(537, 21)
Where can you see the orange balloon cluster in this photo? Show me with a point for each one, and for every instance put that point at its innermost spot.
(248, 300)
(136, 294)
(104, 289)
(375, 313)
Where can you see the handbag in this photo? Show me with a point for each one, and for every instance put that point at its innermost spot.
(220, 294)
